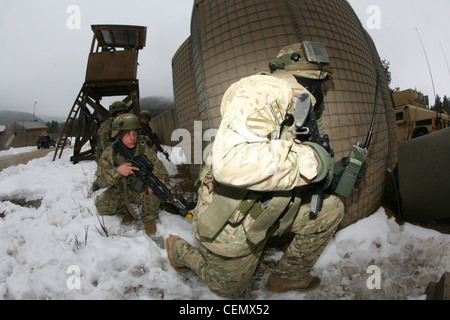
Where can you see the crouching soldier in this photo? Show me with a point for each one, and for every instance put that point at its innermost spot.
(118, 175)
(259, 184)
(104, 132)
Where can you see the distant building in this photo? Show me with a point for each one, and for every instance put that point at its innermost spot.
(28, 127)
(21, 134)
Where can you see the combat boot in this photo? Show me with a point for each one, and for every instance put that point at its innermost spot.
(277, 284)
(127, 218)
(170, 248)
(150, 228)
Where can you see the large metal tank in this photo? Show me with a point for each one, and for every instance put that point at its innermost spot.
(234, 38)
(185, 94)
(186, 105)
(423, 173)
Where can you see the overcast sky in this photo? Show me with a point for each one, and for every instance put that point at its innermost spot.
(45, 45)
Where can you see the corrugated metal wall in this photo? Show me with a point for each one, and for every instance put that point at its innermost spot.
(186, 108)
(20, 140)
(234, 38)
(163, 125)
(185, 93)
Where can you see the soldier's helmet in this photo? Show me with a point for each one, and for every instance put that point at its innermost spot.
(117, 106)
(292, 58)
(124, 122)
(145, 114)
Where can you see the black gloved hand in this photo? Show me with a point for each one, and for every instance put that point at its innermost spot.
(361, 174)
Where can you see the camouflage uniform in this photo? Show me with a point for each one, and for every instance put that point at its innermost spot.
(104, 132)
(111, 202)
(230, 276)
(103, 137)
(260, 177)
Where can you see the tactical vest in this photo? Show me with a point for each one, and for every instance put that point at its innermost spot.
(246, 215)
(127, 183)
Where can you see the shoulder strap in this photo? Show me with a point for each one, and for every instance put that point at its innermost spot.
(126, 200)
(140, 146)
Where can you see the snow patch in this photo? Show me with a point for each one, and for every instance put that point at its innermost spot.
(43, 244)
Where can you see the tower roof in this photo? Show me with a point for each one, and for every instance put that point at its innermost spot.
(120, 36)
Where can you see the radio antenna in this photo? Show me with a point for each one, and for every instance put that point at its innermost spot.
(429, 69)
(445, 58)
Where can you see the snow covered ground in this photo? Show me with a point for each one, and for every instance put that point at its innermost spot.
(53, 246)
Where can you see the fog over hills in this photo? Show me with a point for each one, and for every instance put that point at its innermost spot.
(8, 117)
(155, 105)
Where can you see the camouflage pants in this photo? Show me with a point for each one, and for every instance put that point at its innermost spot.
(111, 202)
(231, 276)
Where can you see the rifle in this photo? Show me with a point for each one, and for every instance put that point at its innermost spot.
(86, 111)
(155, 139)
(306, 125)
(145, 177)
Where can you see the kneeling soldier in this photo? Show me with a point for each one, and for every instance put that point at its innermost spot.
(118, 175)
(258, 185)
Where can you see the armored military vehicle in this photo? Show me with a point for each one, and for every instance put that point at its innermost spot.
(413, 118)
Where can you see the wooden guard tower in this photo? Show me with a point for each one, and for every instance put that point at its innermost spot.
(111, 71)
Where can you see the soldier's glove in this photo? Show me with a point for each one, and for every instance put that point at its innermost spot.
(325, 168)
(339, 167)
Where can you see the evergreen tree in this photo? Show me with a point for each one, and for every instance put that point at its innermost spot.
(437, 104)
(53, 127)
(446, 104)
(386, 65)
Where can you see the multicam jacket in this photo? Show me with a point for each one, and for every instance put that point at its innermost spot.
(104, 135)
(107, 175)
(256, 166)
(250, 151)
